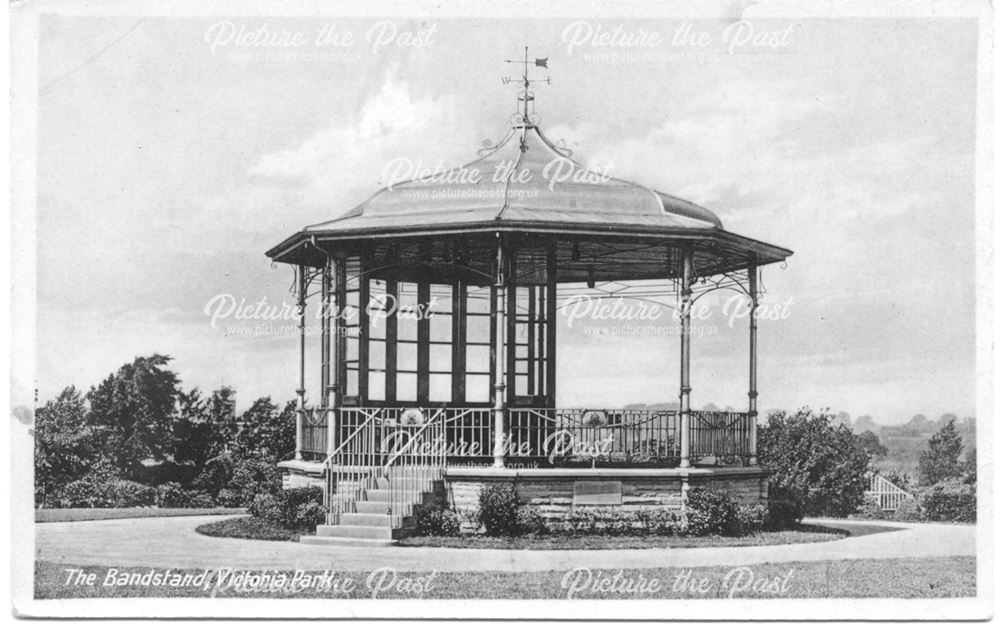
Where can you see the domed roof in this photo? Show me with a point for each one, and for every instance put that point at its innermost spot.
(524, 179)
(523, 186)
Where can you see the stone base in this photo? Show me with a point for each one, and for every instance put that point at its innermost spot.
(556, 492)
(296, 473)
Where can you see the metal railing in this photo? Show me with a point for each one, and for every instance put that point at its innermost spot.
(415, 462)
(720, 434)
(555, 435)
(314, 431)
(351, 470)
(616, 434)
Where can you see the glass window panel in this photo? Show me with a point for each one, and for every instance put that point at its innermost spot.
(520, 351)
(352, 383)
(520, 385)
(376, 386)
(478, 301)
(440, 357)
(440, 328)
(477, 388)
(406, 327)
(522, 333)
(406, 387)
(352, 348)
(477, 358)
(406, 356)
(441, 298)
(440, 388)
(376, 355)
(477, 329)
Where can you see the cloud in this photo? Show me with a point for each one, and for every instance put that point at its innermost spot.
(338, 166)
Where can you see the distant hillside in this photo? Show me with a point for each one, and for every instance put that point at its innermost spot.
(906, 441)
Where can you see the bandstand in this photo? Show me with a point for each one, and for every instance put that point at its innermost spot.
(440, 303)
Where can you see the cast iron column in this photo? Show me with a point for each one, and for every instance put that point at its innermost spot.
(687, 268)
(300, 412)
(499, 356)
(331, 330)
(752, 394)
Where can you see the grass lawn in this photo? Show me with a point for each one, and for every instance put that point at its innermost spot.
(247, 528)
(43, 515)
(804, 534)
(945, 577)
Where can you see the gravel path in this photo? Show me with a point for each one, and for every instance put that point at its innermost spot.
(171, 542)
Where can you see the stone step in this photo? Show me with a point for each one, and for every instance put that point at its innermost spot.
(382, 495)
(348, 542)
(356, 532)
(381, 508)
(383, 483)
(371, 519)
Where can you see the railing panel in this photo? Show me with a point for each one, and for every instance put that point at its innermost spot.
(556, 436)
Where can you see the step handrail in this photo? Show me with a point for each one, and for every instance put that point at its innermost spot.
(422, 472)
(334, 500)
(415, 436)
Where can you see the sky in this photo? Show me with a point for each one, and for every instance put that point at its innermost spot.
(171, 157)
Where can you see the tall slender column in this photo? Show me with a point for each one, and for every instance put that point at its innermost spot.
(332, 329)
(687, 268)
(324, 349)
(499, 366)
(300, 415)
(752, 394)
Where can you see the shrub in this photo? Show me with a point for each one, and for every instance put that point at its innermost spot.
(252, 478)
(172, 495)
(436, 521)
(659, 522)
(869, 509)
(498, 504)
(299, 509)
(214, 477)
(127, 494)
(908, 510)
(530, 522)
(823, 462)
(229, 498)
(752, 517)
(784, 509)
(83, 493)
(711, 512)
(949, 501)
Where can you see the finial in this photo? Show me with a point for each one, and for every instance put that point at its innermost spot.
(525, 97)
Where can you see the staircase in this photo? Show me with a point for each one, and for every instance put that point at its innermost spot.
(376, 479)
(368, 521)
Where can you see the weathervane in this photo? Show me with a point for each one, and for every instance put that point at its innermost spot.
(525, 96)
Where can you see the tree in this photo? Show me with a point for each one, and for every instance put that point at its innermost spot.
(871, 444)
(865, 423)
(940, 461)
(136, 405)
(821, 463)
(969, 468)
(266, 432)
(66, 448)
(203, 427)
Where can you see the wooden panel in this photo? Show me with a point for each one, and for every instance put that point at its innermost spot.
(509, 348)
(391, 327)
(364, 295)
(423, 342)
(550, 328)
(459, 323)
